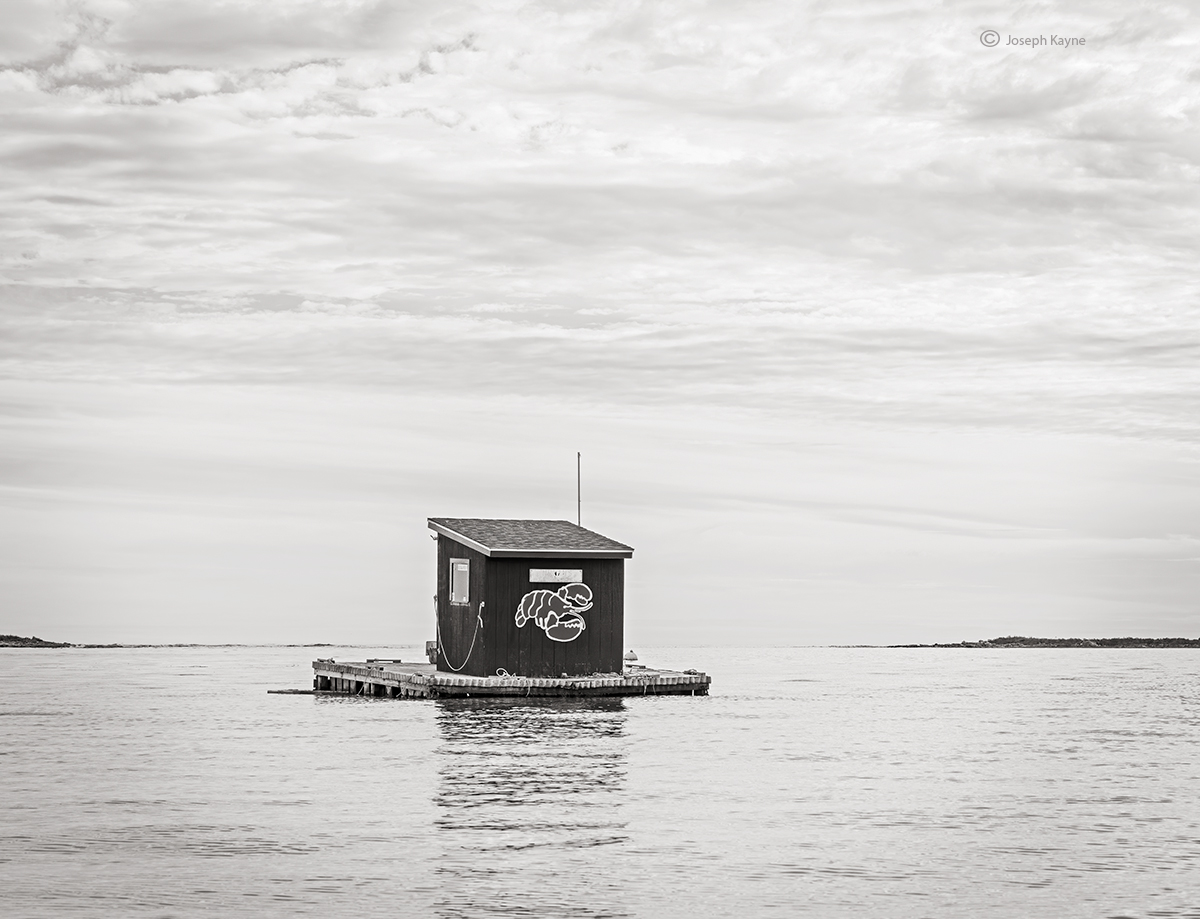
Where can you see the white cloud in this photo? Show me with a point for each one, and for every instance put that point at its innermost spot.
(853, 213)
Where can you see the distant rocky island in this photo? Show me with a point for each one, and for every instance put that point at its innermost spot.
(1021, 641)
(18, 641)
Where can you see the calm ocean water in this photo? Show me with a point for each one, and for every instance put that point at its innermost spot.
(814, 781)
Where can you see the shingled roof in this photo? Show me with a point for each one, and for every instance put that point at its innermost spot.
(529, 538)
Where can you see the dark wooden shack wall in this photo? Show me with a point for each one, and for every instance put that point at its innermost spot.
(527, 651)
(457, 625)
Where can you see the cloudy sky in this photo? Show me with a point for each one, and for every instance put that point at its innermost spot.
(867, 332)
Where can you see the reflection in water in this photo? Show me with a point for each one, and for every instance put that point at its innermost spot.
(529, 807)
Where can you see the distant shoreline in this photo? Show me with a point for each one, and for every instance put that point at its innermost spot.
(1021, 641)
(1010, 641)
(18, 641)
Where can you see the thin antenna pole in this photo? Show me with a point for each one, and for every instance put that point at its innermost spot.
(578, 493)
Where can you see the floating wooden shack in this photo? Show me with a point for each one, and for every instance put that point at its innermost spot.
(534, 598)
(523, 607)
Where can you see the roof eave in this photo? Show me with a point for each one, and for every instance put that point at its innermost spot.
(560, 553)
(491, 552)
(458, 537)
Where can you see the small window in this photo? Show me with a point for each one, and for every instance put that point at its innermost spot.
(460, 581)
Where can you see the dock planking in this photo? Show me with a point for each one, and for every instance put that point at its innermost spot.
(400, 680)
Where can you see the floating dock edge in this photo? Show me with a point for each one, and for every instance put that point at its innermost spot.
(401, 680)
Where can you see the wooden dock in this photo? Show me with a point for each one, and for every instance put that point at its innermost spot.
(404, 680)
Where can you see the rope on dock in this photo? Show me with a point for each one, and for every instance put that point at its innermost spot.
(442, 647)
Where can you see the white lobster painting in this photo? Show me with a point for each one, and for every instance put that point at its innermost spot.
(556, 612)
